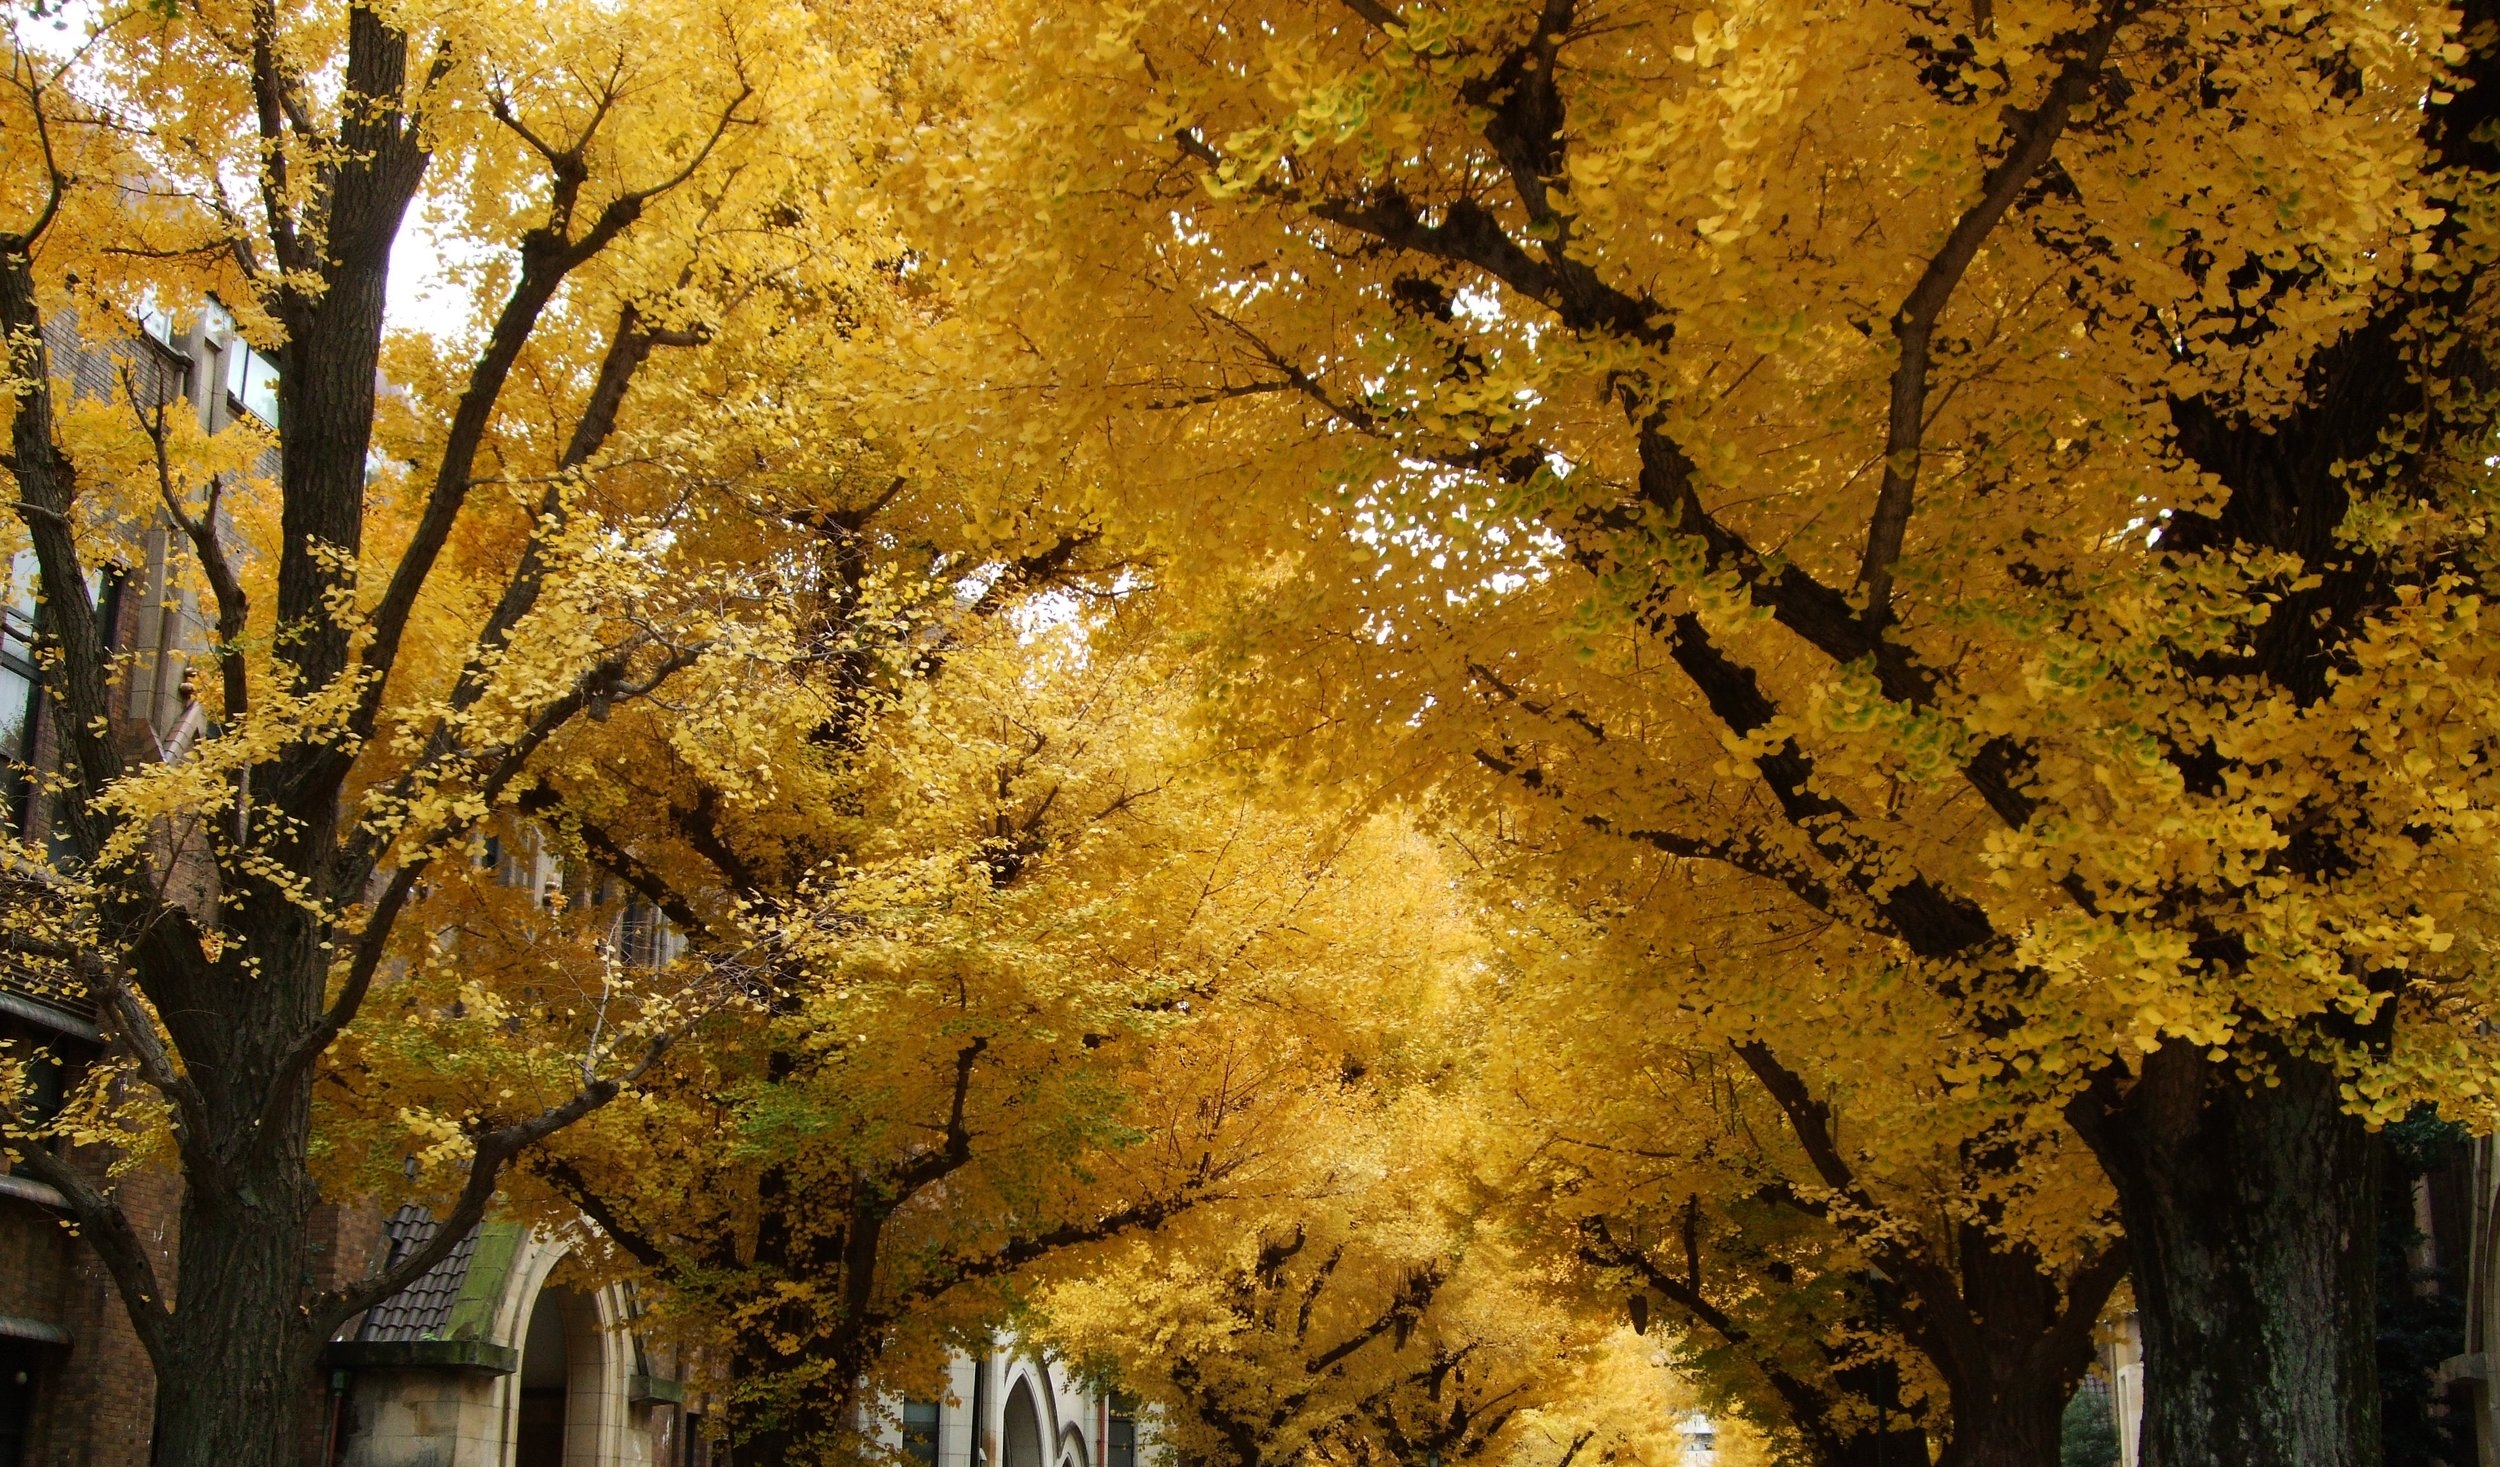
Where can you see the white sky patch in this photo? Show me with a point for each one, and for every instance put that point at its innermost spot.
(425, 293)
(58, 34)
(1047, 613)
(1477, 305)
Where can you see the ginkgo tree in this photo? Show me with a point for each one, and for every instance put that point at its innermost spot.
(1008, 938)
(1848, 1254)
(405, 609)
(2003, 480)
(1373, 1312)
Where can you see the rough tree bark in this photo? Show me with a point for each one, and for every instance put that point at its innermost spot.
(2253, 1210)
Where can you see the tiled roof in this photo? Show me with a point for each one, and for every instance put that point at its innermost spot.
(422, 1310)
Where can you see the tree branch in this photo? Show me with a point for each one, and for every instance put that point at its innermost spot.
(56, 182)
(560, 1173)
(548, 255)
(492, 1151)
(955, 1148)
(1411, 1301)
(1807, 1405)
(1937, 1297)
(2035, 135)
(233, 603)
(611, 856)
(106, 1228)
(373, 943)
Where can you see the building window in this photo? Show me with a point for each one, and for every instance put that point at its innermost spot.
(19, 680)
(21, 1374)
(920, 1432)
(251, 382)
(644, 938)
(1120, 1446)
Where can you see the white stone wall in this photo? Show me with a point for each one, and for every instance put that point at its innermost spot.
(1072, 1423)
(424, 1418)
(448, 1418)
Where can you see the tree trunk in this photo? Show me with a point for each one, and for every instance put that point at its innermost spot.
(2019, 1343)
(2019, 1424)
(1895, 1439)
(775, 1425)
(245, 1381)
(1898, 1447)
(2251, 1214)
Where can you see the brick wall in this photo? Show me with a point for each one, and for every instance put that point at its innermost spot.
(96, 1399)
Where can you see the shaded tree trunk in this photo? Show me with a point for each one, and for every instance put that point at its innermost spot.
(1897, 1447)
(2021, 1423)
(1896, 1440)
(246, 1386)
(2016, 1349)
(2252, 1213)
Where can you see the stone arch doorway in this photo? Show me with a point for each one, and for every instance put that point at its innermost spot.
(556, 1419)
(1021, 1432)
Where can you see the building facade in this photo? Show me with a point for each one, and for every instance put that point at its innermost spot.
(485, 1362)
(1014, 1407)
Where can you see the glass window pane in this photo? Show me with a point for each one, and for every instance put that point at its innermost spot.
(920, 1431)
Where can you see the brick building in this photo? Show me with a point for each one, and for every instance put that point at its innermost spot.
(75, 1384)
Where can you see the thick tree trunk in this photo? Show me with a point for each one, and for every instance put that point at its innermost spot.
(2251, 1214)
(245, 1371)
(2019, 1424)
(2020, 1344)
(1899, 1447)
(242, 1377)
(773, 1424)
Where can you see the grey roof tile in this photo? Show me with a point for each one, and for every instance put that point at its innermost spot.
(422, 1310)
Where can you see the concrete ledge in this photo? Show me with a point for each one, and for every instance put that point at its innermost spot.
(17, 1327)
(655, 1390)
(27, 1189)
(475, 1355)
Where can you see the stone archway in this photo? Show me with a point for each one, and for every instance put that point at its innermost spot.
(559, 1416)
(1020, 1431)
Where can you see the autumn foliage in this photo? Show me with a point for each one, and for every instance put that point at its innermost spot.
(1436, 729)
